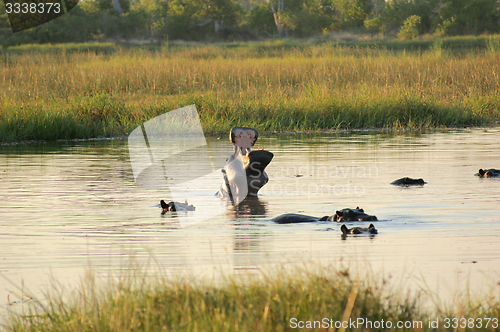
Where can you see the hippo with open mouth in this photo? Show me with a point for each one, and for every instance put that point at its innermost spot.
(406, 181)
(358, 230)
(488, 173)
(175, 206)
(244, 173)
(343, 215)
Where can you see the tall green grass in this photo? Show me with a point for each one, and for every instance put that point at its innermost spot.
(275, 301)
(53, 93)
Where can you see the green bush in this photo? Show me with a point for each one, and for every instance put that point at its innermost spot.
(409, 30)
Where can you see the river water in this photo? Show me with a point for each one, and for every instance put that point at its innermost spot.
(68, 206)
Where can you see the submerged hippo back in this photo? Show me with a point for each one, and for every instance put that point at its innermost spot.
(406, 181)
(292, 218)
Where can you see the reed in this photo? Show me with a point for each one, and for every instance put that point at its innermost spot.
(283, 300)
(81, 91)
(270, 303)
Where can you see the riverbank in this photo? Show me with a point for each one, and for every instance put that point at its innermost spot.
(54, 92)
(317, 299)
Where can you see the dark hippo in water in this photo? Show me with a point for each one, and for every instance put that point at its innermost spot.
(358, 230)
(244, 173)
(294, 218)
(356, 214)
(406, 181)
(254, 164)
(175, 206)
(488, 173)
(343, 215)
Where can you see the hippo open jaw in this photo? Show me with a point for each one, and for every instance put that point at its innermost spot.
(244, 173)
(255, 164)
(243, 137)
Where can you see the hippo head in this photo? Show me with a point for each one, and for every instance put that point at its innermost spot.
(356, 214)
(488, 173)
(358, 230)
(244, 173)
(406, 181)
(175, 207)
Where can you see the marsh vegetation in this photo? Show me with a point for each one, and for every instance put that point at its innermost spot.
(314, 299)
(84, 90)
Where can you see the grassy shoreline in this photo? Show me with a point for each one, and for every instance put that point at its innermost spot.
(77, 93)
(274, 302)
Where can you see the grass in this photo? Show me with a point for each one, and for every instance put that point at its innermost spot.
(85, 90)
(274, 302)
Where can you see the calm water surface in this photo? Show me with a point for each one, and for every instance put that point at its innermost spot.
(67, 206)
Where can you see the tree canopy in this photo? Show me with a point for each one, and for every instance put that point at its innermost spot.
(212, 19)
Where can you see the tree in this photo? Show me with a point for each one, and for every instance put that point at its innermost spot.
(409, 30)
(277, 12)
(260, 19)
(459, 17)
(352, 12)
(306, 17)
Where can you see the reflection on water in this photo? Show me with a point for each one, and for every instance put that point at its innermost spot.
(68, 205)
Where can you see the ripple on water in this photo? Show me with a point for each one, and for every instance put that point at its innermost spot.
(68, 205)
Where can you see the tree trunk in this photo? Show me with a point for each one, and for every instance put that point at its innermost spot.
(166, 15)
(218, 26)
(279, 26)
(117, 6)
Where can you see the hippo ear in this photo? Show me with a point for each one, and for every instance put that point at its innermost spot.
(344, 229)
(339, 213)
(481, 172)
(371, 226)
(163, 204)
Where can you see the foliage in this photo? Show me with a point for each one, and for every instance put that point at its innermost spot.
(306, 17)
(409, 30)
(260, 19)
(201, 19)
(458, 17)
(374, 25)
